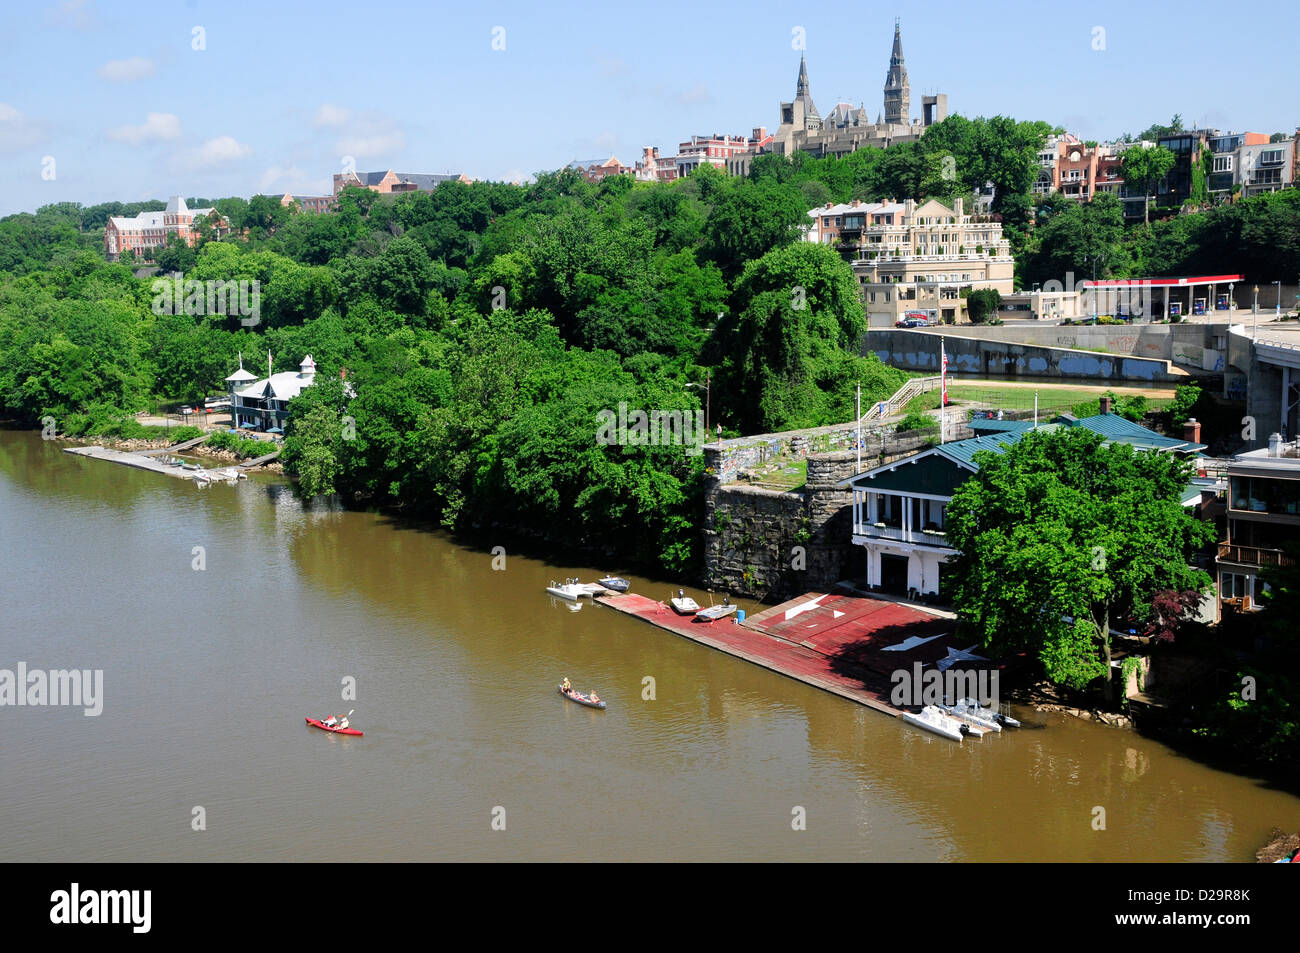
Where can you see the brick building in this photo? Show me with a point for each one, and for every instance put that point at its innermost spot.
(149, 230)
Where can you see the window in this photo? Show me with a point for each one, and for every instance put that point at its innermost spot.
(1235, 585)
(1223, 163)
(1270, 157)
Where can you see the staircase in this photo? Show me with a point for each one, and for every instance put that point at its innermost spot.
(892, 406)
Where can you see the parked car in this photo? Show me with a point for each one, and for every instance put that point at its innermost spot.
(186, 411)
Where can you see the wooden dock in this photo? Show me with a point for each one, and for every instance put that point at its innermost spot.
(800, 662)
(257, 462)
(141, 461)
(176, 448)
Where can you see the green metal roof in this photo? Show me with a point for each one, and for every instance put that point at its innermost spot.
(1122, 430)
(989, 425)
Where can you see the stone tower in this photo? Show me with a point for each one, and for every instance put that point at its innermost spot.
(897, 98)
(801, 113)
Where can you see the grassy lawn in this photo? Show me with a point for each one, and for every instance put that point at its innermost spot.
(1050, 399)
(783, 473)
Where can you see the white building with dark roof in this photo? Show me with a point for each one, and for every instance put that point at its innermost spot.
(263, 404)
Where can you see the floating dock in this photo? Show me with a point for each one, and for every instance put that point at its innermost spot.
(141, 461)
(832, 641)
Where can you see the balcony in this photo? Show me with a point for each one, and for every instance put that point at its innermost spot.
(931, 537)
(1252, 555)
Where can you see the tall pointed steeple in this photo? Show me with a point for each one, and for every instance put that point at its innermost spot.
(804, 114)
(897, 94)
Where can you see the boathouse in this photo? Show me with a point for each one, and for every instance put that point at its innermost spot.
(900, 508)
(264, 404)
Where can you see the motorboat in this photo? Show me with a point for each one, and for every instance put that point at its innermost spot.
(684, 604)
(973, 711)
(935, 719)
(714, 613)
(570, 589)
(616, 583)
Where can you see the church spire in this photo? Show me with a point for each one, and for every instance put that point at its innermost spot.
(897, 94)
(801, 88)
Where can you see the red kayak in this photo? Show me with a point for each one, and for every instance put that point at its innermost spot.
(316, 723)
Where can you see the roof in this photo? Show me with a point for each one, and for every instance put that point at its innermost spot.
(1160, 282)
(142, 220)
(1000, 434)
(870, 208)
(1122, 430)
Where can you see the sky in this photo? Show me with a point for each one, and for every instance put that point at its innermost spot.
(124, 101)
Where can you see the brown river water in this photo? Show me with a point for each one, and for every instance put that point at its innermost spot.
(208, 673)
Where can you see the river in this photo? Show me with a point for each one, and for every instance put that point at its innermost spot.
(208, 672)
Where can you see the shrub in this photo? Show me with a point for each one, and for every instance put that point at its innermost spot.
(917, 420)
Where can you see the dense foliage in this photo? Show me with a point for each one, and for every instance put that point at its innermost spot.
(1061, 535)
(482, 330)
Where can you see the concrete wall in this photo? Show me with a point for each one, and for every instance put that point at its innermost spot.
(916, 350)
(1195, 346)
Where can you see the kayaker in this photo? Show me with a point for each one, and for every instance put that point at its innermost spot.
(331, 721)
(595, 699)
(343, 722)
(566, 686)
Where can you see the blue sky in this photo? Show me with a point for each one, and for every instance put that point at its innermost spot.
(119, 98)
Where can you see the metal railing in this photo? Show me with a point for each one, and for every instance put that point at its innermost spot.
(912, 388)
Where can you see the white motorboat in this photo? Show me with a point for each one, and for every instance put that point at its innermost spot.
(684, 604)
(933, 718)
(992, 717)
(570, 589)
(713, 613)
(971, 712)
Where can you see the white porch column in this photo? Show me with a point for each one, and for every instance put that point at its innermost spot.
(907, 517)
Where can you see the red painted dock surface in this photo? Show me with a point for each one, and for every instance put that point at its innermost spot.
(829, 640)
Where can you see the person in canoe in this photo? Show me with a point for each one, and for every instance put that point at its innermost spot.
(595, 699)
(344, 723)
(331, 721)
(565, 686)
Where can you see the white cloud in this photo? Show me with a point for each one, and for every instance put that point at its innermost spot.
(218, 151)
(156, 126)
(128, 70)
(364, 146)
(278, 179)
(73, 14)
(330, 115)
(695, 96)
(18, 131)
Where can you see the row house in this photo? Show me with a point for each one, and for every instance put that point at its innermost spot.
(144, 232)
(316, 204)
(1262, 518)
(909, 257)
(900, 514)
(596, 170)
(390, 181)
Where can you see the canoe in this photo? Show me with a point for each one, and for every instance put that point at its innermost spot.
(581, 699)
(315, 723)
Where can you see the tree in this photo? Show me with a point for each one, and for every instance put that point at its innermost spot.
(749, 219)
(1143, 168)
(1060, 534)
(982, 304)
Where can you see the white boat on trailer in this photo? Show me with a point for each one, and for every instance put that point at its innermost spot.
(932, 718)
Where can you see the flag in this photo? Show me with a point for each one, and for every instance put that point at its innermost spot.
(943, 375)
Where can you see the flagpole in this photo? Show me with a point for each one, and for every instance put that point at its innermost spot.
(858, 410)
(943, 392)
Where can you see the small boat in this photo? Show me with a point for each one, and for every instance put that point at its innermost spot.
(616, 583)
(570, 589)
(317, 723)
(191, 466)
(714, 613)
(932, 718)
(971, 710)
(684, 604)
(574, 695)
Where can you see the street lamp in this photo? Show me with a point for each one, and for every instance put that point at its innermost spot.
(707, 385)
(1254, 314)
(1277, 310)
